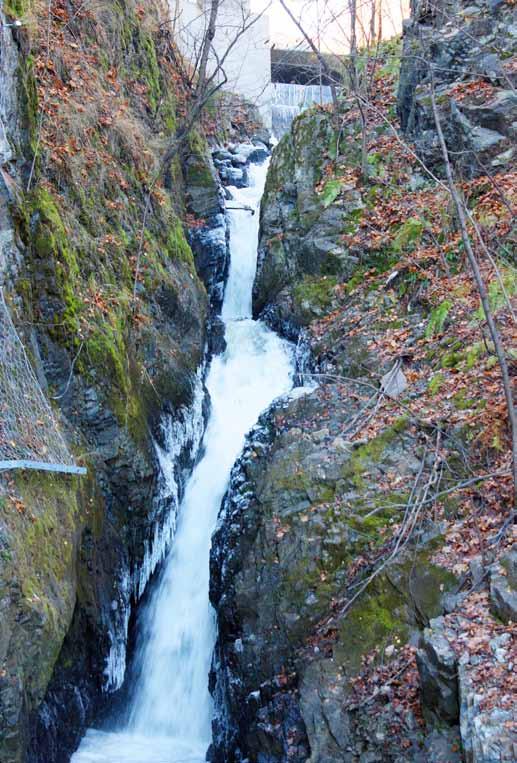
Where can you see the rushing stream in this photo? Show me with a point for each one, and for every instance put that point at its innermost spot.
(170, 716)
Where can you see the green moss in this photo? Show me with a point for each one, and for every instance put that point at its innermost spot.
(437, 319)
(168, 113)
(407, 594)
(197, 143)
(151, 70)
(29, 95)
(46, 556)
(474, 353)
(363, 457)
(198, 174)
(386, 507)
(299, 481)
(389, 51)
(51, 244)
(314, 295)
(375, 620)
(356, 280)
(496, 295)
(435, 384)
(16, 8)
(178, 246)
(462, 402)
(451, 359)
(409, 234)
(330, 192)
(281, 169)
(106, 348)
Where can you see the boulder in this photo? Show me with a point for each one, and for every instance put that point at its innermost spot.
(503, 588)
(437, 665)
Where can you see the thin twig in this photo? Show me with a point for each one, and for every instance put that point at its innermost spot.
(480, 284)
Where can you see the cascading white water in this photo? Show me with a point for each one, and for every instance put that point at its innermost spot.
(170, 718)
(290, 99)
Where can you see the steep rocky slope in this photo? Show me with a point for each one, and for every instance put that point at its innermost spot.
(356, 570)
(114, 315)
(471, 49)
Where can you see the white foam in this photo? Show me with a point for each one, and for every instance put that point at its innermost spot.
(170, 718)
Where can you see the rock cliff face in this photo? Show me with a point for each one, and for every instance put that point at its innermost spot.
(348, 573)
(300, 244)
(113, 313)
(468, 49)
(295, 522)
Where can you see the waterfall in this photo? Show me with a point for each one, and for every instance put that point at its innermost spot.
(171, 711)
(289, 100)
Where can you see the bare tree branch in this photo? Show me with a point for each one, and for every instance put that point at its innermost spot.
(315, 50)
(480, 284)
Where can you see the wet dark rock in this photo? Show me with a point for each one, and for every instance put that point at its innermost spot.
(260, 154)
(237, 176)
(262, 136)
(437, 664)
(222, 155)
(217, 342)
(209, 236)
(280, 556)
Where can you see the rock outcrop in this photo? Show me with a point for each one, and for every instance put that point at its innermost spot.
(449, 663)
(295, 523)
(103, 288)
(503, 588)
(467, 49)
(300, 249)
(346, 634)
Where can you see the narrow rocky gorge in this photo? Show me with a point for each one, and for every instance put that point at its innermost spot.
(363, 569)
(120, 345)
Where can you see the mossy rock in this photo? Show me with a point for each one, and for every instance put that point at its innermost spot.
(40, 522)
(313, 297)
(404, 597)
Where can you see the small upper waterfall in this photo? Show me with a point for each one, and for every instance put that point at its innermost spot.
(171, 713)
(289, 100)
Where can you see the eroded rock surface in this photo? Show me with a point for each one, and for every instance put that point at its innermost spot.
(295, 522)
(339, 638)
(114, 319)
(468, 47)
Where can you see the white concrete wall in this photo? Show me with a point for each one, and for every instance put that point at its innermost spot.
(248, 64)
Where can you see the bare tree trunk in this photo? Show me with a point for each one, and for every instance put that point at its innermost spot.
(206, 46)
(492, 327)
(354, 74)
(316, 52)
(373, 14)
(355, 81)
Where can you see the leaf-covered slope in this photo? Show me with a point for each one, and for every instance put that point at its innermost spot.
(106, 297)
(369, 267)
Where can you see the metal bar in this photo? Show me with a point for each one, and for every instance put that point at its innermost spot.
(244, 207)
(42, 466)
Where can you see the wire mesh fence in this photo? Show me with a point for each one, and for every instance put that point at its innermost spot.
(30, 437)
